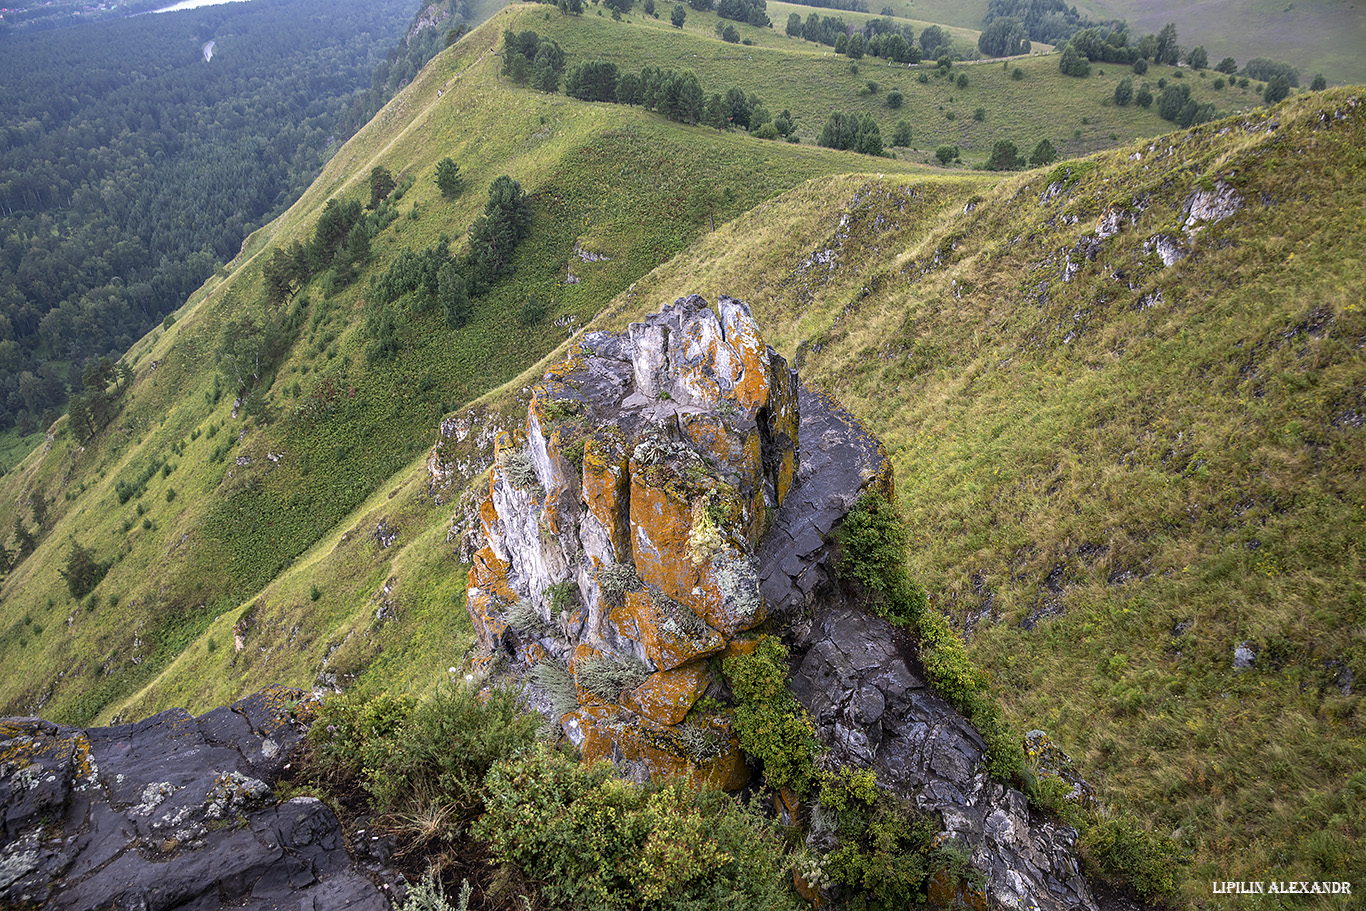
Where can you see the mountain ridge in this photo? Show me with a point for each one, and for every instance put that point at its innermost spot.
(1108, 583)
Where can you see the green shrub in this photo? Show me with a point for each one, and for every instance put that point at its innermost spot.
(591, 841)
(428, 894)
(563, 596)
(769, 722)
(1119, 850)
(882, 859)
(82, 571)
(407, 754)
(871, 547)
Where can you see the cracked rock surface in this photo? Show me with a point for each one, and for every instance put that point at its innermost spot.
(173, 812)
(874, 710)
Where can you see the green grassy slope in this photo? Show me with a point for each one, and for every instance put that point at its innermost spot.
(1114, 481)
(1111, 488)
(232, 500)
(255, 490)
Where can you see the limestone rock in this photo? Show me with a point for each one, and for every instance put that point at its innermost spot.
(652, 467)
(171, 812)
(679, 485)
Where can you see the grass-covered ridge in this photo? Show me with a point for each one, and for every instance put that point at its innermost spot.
(233, 502)
(1117, 472)
(808, 79)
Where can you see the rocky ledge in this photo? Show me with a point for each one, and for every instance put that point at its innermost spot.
(873, 709)
(173, 812)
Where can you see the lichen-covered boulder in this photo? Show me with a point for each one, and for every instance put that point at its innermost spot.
(622, 530)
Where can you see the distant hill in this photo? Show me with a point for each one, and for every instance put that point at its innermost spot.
(1315, 37)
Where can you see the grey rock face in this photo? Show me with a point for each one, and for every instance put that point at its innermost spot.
(840, 460)
(168, 813)
(1211, 205)
(874, 711)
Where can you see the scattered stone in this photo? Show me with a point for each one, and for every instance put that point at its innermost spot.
(1244, 656)
(1210, 206)
(385, 534)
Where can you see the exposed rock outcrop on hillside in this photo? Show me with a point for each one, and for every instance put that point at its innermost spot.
(621, 535)
(173, 812)
(674, 491)
(874, 710)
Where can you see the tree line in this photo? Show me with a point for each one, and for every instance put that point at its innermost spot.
(881, 37)
(130, 167)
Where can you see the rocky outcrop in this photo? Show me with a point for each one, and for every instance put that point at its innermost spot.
(675, 488)
(174, 812)
(872, 708)
(621, 534)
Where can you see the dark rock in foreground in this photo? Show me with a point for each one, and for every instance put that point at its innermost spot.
(173, 812)
(874, 710)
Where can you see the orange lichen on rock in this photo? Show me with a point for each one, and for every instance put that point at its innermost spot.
(751, 390)
(668, 642)
(661, 518)
(488, 596)
(945, 891)
(607, 487)
(667, 696)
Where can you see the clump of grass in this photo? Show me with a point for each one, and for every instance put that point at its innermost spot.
(678, 619)
(701, 742)
(553, 677)
(524, 617)
(609, 677)
(615, 580)
(518, 470)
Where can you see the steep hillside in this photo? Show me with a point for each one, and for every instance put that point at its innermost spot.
(1124, 398)
(615, 191)
(193, 502)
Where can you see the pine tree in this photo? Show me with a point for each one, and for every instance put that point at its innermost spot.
(83, 572)
(448, 178)
(1043, 154)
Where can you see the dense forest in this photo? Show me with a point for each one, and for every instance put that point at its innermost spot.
(134, 157)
